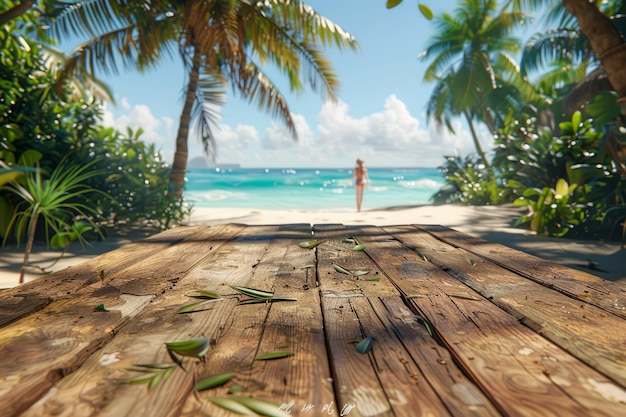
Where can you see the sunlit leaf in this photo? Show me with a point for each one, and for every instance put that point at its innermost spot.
(361, 272)
(428, 14)
(196, 307)
(365, 345)
(310, 244)
(152, 374)
(358, 247)
(273, 355)
(193, 347)
(472, 262)
(577, 119)
(341, 269)
(262, 407)
(205, 294)
(393, 3)
(231, 405)
(214, 381)
(252, 292)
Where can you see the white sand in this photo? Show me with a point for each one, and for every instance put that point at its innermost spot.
(488, 222)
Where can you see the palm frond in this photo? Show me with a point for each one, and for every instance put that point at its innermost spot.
(554, 45)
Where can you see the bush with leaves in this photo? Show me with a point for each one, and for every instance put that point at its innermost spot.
(532, 163)
(37, 119)
(469, 182)
(135, 176)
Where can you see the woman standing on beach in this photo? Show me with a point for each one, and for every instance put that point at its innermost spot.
(360, 179)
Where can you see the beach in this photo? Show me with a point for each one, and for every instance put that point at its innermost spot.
(492, 223)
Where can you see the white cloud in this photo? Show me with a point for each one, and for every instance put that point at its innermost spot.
(390, 137)
(160, 131)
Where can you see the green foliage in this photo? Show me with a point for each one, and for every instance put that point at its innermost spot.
(58, 200)
(469, 182)
(36, 120)
(135, 176)
(551, 210)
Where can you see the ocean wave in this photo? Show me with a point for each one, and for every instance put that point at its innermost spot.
(216, 195)
(423, 184)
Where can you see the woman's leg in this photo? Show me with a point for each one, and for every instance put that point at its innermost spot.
(359, 196)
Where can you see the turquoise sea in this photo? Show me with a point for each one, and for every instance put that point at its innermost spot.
(309, 189)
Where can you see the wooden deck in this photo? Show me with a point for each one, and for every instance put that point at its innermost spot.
(460, 327)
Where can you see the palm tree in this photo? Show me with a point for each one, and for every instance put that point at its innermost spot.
(221, 42)
(466, 52)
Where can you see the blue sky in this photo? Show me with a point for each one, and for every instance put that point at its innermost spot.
(379, 115)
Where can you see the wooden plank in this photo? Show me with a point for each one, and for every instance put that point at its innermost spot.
(434, 363)
(382, 381)
(459, 394)
(586, 331)
(302, 382)
(521, 372)
(587, 288)
(42, 348)
(91, 389)
(35, 295)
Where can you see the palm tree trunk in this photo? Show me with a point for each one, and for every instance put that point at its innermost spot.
(479, 148)
(15, 11)
(604, 38)
(179, 166)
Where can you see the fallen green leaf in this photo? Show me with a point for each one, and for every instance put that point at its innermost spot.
(262, 407)
(427, 324)
(214, 381)
(152, 374)
(205, 294)
(361, 272)
(359, 247)
(311, 244)
(472, 262)
(365, 345)
(231, 405)
(197, 348)
(273, 355)
(101, 308)
(341, 269)
(252, 292)
(236, 389)
(195, 307)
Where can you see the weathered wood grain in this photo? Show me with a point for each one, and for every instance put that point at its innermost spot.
(460, 327)
(60, 337)
(521, 372)
(587, 288)
(382, 381)
(298, 381)
(35, 295)
(584, 330)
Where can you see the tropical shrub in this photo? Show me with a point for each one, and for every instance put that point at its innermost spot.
(135, 176)
(58, 200)
(551, 210)
(37, 119)
(469, 182)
